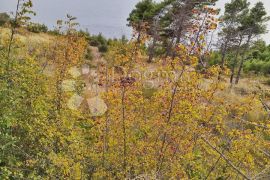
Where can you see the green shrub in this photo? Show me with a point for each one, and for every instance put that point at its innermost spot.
(54, 32)
(98, 40)
(103, 48)
(214, 58)
(257, 66)
(85, 34)
(89, 55)
(4, 18)
(37, 28)
(94, 42)
(266, 68)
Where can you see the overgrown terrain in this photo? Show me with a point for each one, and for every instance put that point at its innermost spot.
(170, 103)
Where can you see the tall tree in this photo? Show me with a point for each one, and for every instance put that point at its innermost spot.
(230, 22)
(145, 18)
(140, 18)
(252, 25)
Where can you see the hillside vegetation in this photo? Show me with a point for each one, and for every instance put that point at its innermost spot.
(162, 105)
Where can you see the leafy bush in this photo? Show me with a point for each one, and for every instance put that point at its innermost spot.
(4, 18)
(99, 41)
(257, 66)
(54, 32)
(85, 34)
(94, 42)
(266, 68)
(103, 48)
(89, 55)
(37, 28)
(214, 58)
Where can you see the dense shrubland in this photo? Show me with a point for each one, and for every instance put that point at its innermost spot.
(258, 59)
(178, 122)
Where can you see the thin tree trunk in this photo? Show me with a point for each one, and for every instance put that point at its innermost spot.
(124, 131)
(155, 38)
(242, 62)
(226, 159)
(239, 71)
(139, 33)
(224, 51)
(169, 48)
(232, 73)
(106, 129)
(196, 40)
(12, 33)
(13, 29)
(235, 61)
(217, 161)
(170, 113)
(178, 35)
(176, 43)
(152, 50)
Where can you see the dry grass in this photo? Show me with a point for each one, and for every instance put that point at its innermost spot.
(28, 37)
